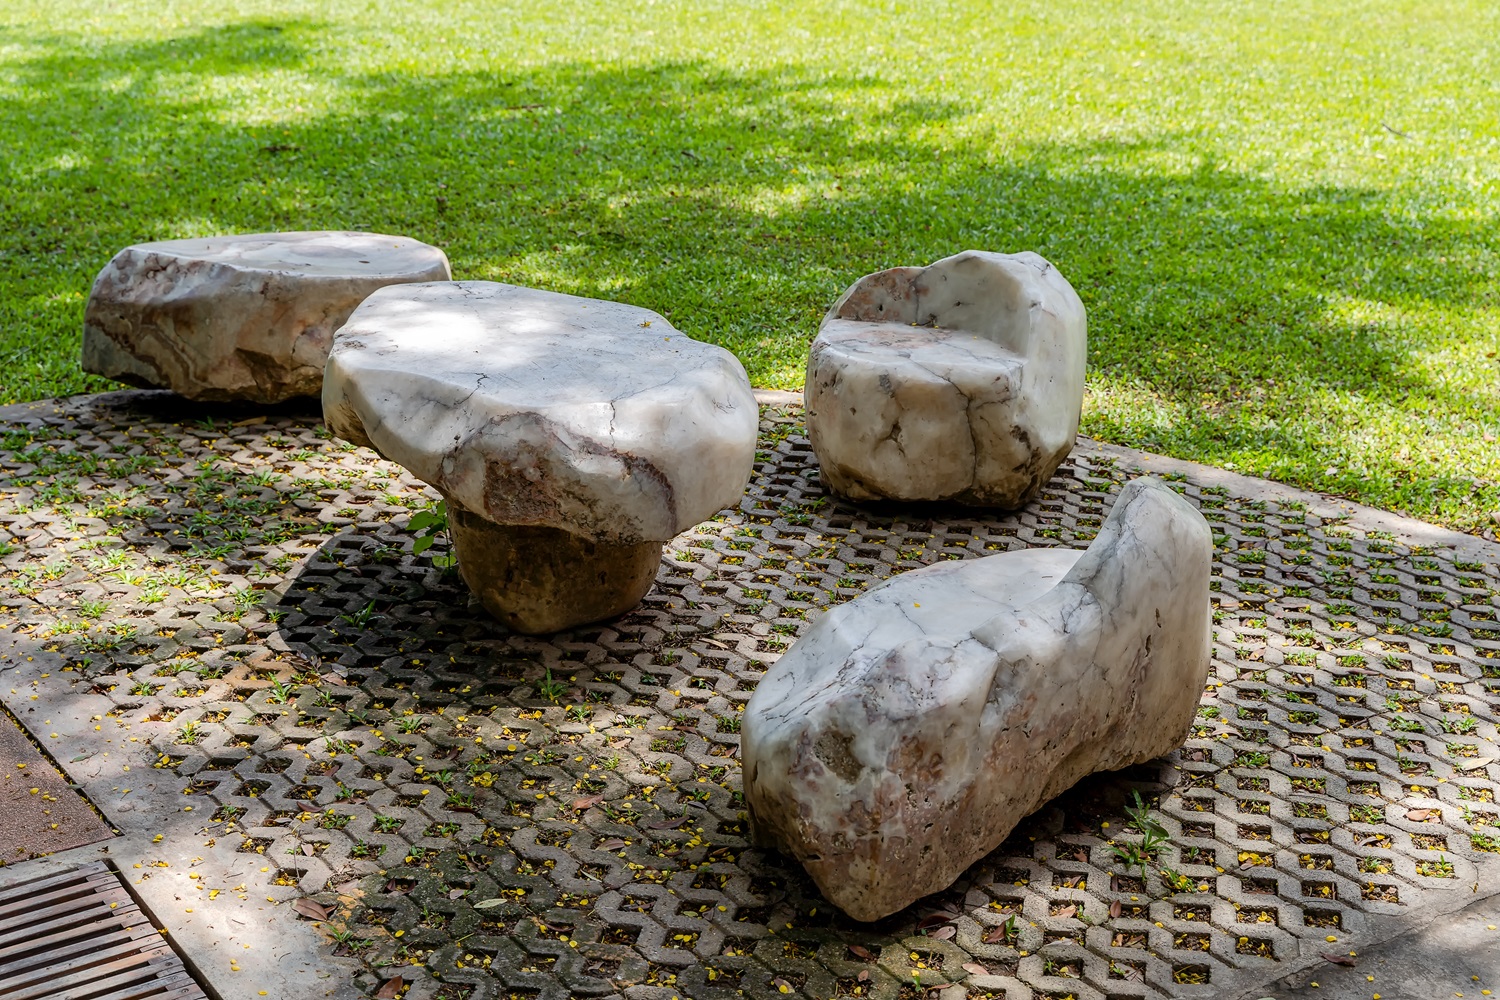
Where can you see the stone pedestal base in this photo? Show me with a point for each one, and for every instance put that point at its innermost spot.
(540, 580)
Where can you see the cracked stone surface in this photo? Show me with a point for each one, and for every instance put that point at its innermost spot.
(248, 317)
(345, 721)
(579, 428)
(905, 735)
(959, 381)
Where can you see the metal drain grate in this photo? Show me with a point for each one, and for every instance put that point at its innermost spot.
(79, 936)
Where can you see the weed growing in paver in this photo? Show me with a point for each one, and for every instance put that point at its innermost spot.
(364, 615)
(550, 689)
(429, 525)
(1153, 836)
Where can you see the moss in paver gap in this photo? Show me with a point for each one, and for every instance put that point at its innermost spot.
(561, 817)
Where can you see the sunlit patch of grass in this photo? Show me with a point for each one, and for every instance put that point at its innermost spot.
(1282, 219)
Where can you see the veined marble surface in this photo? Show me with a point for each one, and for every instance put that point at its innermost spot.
(246, 317)
(908, 731)
(529, 407)
(958, 381)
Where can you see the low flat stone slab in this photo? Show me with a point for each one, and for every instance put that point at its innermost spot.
(908, 731)
(959, 381)
(571, 437)
(39, 813)
(239, 317)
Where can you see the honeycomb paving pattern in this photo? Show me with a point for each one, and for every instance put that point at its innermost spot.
(495, 817)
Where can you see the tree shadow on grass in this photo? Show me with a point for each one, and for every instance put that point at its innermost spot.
(1231, 317)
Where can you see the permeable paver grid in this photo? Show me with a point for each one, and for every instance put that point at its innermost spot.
(234, 608)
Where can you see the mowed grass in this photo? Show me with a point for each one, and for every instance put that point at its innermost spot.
(1282, 217)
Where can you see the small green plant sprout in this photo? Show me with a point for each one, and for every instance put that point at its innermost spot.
(552, 690)
(578, 713)
(1153, 836)
(410, 724)
(1176, 881)
(189, 733)
(362, 617)
(428, 524)
(281, 693)
(388, 824)
(248, 598)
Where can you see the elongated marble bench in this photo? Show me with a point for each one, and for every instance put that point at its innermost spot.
(571, 437)
(908, 731)
(959, 381)
(239, 317)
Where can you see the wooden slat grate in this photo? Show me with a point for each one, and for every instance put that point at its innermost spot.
(78, 935)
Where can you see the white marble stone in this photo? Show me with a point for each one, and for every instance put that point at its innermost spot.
(959, 381)
(908, 731)
(239, 317)
(531, 409)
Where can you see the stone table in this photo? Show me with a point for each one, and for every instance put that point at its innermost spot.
(959, 381)
(908, 731)
(239, 317)
(571, 437)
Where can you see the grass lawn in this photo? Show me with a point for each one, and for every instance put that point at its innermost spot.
(1282, 217)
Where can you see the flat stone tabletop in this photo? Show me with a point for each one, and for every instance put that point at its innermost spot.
(529, 407)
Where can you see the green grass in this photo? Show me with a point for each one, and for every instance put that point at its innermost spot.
(1282, 217)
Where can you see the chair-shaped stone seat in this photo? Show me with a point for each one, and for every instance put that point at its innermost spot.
(960, 381)
(908, 731)
(570, 437)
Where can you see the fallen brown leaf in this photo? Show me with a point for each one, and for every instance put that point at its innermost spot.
(943, 933)
(862, 953)
(864, 975)
(1329, 956)
(613, 844)
(975, 969)
(933, 919)
(1066, 912)
(1419, 815)
(781, 984)
(995, 935)
(390, 989)
(1115, 909)
(312, 909)
(309, 850)
(586, 803)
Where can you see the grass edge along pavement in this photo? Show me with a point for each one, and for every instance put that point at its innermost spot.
(1282, 221)
(1326, 617)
